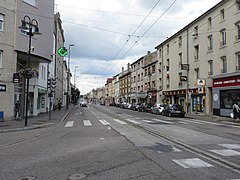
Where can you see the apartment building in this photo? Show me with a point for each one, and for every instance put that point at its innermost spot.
(8, 58)
(137, 85)
(150, 77)
(125, 84)
(59, 61)
(109, 91)
(200, 63)
(116, 88)
(15, 49)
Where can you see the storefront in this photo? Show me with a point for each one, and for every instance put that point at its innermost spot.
(226, 92)
(196, 98)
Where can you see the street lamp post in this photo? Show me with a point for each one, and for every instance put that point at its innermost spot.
(68, 74)
(76, 67)
(28, 25)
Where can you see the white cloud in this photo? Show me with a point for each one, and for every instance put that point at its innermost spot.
(100, 29)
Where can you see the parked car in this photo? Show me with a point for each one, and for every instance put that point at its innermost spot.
(173, 110)
(145, 107)
(158, 108)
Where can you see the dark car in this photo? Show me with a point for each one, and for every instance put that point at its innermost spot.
(173, 110)
(145, 107)
(158, 108)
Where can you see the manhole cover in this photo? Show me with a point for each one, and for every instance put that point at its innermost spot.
(77, 176)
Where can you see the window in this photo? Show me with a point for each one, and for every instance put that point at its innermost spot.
(134, 79)
(224, 64)
(138, 67)
(43, 72)
(196, 49)
(180, 58)
(1, 22)
(180, 41)
(1, 58)
(153, 84)
(195, 33)
(238, 5)
(228, 98)
(209, 22)
(238, 31)
(196, 74)
(210, 67)
(222, 13)
(210, 42)
(145, 72)
(167, 48)
(223, 34)
(138, 77)
(153, 69)
(31, 2)
(141, 76)
(238, 61)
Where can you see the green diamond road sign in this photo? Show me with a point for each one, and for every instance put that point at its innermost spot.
(62, 51)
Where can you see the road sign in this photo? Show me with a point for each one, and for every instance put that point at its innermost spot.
(3, 88)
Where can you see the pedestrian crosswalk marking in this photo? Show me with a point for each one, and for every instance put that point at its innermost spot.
(147, 121)
(167, 122)
(226, 152)
(132, 121)
(230, 146)
(69, 124)
(104, 122)
(192, 163)
(87, 123)
(192, 121)
(118, 121)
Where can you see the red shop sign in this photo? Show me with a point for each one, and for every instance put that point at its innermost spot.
(228, 81)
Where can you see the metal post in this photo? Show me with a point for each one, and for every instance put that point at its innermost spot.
(27, 92)
(68, 75)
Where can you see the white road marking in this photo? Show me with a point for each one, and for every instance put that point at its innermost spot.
(128, 115)
(104, 122)
(87, 123)
(230, 146)
(80, 112)
(109, 127)
(226, 152)
(191, 121)
(176, 149)
(118, 121)
(167, 122)
(192, 163)
(147, 121)
(132, 121)
(69, 124)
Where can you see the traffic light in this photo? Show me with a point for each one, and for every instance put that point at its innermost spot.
(53, 84)
(62, 51)
(49, 83)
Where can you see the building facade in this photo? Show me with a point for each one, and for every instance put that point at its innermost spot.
(199, 57)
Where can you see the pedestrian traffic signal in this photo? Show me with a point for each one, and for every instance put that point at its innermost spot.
(62, 51)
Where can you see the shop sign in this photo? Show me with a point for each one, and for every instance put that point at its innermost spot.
(201, 82)
(228, 81)
(3, 88)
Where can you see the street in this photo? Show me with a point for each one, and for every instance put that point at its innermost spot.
(102, 142)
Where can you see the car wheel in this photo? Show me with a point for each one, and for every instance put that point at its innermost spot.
(170, 114)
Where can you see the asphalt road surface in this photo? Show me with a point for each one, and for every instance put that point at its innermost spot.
(101, 142)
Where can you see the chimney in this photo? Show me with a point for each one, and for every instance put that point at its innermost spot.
(148, 52)
(128, 66)
(122, 69)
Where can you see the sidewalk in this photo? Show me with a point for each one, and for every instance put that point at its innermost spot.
(212, 118)
(35, 122)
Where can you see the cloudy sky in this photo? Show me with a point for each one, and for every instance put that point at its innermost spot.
(108, 34)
